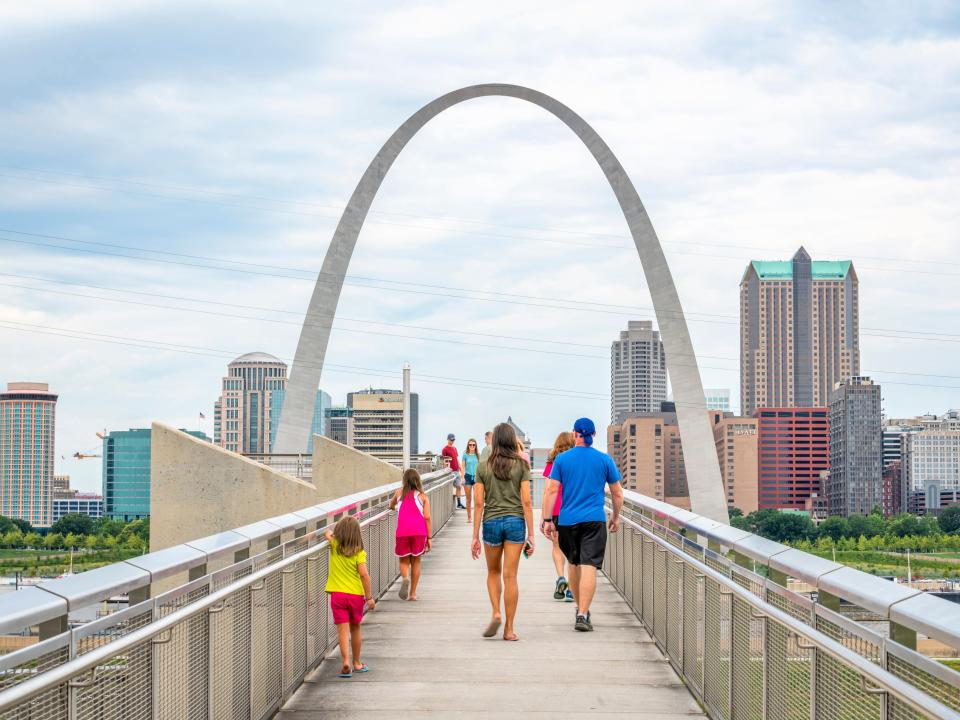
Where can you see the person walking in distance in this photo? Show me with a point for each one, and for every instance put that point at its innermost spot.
(450, 451)
(414, 531)
(488, 444)
(561, 590)
(503, 505)
(471, 461)
(584, 473)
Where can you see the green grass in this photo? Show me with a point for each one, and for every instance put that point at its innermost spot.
(952, 663)
(887, 563)
(48, 562)
(17, 554)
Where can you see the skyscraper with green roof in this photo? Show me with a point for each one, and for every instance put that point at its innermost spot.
(799, 331)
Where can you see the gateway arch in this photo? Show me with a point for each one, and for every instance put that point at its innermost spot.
(707, 493)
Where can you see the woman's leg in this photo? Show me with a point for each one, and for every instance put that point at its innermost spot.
(343, 636)
(494, 557)
(511, 591)
(356, 640)
(469, 492)
(405, 566)
(414, 576)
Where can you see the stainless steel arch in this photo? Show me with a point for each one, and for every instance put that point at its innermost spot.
(707, 494)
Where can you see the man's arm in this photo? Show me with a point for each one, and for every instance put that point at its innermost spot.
(616, 495)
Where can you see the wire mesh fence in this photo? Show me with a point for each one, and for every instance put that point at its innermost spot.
(234, 644)
(751, 649)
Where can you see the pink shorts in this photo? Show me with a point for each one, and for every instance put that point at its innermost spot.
(410, 545)
(347, 608)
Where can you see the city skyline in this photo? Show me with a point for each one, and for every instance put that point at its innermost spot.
(863, 144)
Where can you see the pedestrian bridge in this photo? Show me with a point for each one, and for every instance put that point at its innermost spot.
(692, 618)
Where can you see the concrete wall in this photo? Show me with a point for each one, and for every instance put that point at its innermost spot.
(340, 470)
(198, 489)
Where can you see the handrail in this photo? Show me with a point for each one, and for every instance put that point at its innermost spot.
(64, 595)
(911, 608)
(56, 676)
(905, 692)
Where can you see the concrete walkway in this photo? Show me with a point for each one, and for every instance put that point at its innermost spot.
(427, 658)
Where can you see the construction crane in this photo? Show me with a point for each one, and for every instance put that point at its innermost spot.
(89, 454)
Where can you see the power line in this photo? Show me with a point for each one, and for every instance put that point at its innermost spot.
(338, 210)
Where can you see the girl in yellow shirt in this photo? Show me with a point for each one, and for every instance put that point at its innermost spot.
(348, 586)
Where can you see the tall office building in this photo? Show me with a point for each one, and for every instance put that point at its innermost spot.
(78, 503)
(648, 451)
(793, 448)
(320, 407)
(241, 417)
(126, 473)
(638, 371)
(338, 424)
(27, 432)
(856, 453)
(378, 423)
(799, 331)
(930, 469)
(61, 487)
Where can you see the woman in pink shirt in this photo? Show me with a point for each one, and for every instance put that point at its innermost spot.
(561, 591)
(413, 531)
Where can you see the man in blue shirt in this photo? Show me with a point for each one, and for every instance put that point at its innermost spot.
(584, 473)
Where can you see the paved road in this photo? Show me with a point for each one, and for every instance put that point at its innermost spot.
(428, 660)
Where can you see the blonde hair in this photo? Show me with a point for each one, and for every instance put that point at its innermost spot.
(564, 442)
(348, 535)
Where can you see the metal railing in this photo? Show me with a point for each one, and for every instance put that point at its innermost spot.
(234, 643)
(748, 647)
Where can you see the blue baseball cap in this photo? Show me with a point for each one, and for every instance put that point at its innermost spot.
(586, 428)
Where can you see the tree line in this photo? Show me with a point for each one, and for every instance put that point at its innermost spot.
(900, 532)
(76, 532)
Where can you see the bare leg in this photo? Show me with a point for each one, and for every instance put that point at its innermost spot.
(574, 579)
(405, 567)
(511, 591)
(558, 558)
(494, 557)
(343, 636)
(588, 586)
(414, 576)
(356, 640)
(469, 493)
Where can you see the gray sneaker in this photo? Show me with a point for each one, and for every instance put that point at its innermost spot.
(583, 623)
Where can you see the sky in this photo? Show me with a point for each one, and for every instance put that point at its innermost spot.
(171, 174)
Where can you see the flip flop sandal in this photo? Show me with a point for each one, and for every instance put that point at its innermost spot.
(345, 676)
(363, 669)
(404, 589)
(492, 628)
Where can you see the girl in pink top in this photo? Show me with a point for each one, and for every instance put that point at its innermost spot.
(561, 591)
(414, 531)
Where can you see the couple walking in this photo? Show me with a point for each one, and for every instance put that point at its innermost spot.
(503, 510)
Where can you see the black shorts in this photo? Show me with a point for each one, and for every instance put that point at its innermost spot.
(584, 543)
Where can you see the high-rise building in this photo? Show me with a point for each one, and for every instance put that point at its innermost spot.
(892, 489)
(521, 434)
(27, 433)
(737, 450)
(856, 452)
(892, 441)
(126, 473)
(718, 399)
(638, 371)
(78, 503)
(338, 424)
(799, 331)
(378, 423)
(931, 468)
(241, 417)
(320, 407)
(793, 448)
(648, 451)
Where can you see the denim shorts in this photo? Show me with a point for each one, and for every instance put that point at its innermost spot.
(509, 528)
(469, 480)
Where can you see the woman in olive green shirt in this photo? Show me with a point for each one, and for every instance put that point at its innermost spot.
(502, 505)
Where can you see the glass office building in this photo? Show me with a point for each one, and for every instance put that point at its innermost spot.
(320, 407)
(126, 473)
